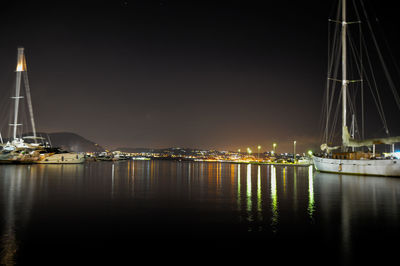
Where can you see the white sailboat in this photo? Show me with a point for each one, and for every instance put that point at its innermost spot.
(348, 160)
(17, 150)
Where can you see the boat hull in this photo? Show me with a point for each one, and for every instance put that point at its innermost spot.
(384, 167)
(63, 158)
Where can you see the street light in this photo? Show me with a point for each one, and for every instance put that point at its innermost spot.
(274, 146)
(259, 147)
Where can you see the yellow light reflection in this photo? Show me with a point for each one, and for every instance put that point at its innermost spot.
(274, 198)
(238, 186)
(259, 189)
(112, 180)
(284, 181)
(248, 185)
(311, 206)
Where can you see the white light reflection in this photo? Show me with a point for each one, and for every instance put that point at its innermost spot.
(274, 198)
(112, 180)
(311, 206)
(133, 178)
(248, 185)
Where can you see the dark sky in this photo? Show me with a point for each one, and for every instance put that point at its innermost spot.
(207, 74)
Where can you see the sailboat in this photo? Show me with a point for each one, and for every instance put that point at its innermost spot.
(16, 150)
(348, 160)
(19, 149)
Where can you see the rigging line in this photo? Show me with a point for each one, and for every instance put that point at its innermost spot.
(362, 84)
(377, 103)
(386, 71)
(332, 64)
(327, 88)
(376, 97)
(335, 64)
(389, 50)
(335, 84)
(335, 118)
(29, 102)
(361, 72)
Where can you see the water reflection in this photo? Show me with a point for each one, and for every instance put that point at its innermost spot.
(259, 208)
(17, 183)
(239, 198)
(248, 195)
(254, 197)
(274, 200)
(310, 191)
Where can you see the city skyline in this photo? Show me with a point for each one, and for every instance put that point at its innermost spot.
(223, 75)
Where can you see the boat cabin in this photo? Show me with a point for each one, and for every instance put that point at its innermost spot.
(358, 155)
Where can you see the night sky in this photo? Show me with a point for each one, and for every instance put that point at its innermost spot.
(206, 74)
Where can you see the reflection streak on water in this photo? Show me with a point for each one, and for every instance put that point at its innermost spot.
(112, 180)
(239, 198)
(310, 191)
(259, 209)
(284, 180)
(274, 198)
(248, 186)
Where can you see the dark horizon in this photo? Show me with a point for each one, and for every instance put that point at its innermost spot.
(215, 75)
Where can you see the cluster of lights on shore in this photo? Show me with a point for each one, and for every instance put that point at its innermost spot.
(273, 151)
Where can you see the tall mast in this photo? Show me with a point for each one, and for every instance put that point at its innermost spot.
(344, 72)
(20, 68)
(22, 71)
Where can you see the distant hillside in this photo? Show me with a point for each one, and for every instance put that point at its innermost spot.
(71, 142)
(133, 150)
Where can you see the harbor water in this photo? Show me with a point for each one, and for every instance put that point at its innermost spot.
(185, 212)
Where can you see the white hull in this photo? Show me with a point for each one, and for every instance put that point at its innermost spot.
(62, 158)
(386, 167)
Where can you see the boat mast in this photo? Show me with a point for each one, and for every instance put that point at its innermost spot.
(20, 68)
(344, 72)
(22, 71)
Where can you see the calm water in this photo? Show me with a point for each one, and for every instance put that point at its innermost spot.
(192, 212)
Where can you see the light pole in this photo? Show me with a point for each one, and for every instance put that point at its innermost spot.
(259, 147)
(274, 146)
(294, 151)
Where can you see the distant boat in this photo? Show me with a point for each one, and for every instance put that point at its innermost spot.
(348, 160)
(58, 156)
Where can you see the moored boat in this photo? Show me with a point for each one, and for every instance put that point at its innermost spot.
(352, 158)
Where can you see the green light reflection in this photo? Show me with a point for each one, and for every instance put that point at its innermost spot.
(274, 198)
(311, 203)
